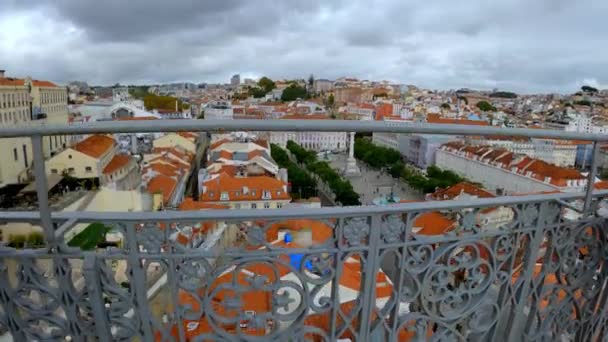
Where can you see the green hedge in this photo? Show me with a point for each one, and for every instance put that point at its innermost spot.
(302, 185)
(340, 186)
(90, 236)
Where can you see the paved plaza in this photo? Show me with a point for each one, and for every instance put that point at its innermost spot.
(373, 183)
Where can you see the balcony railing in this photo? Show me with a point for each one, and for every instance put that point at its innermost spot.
(370, 275)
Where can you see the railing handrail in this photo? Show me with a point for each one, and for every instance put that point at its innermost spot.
(153, 126)
(287, 213)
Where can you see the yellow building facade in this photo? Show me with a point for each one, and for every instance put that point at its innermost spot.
(28, 102)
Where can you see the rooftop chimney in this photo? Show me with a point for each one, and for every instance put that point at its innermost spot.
(2, 73)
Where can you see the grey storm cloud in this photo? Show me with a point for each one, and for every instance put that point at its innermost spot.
(529, 46)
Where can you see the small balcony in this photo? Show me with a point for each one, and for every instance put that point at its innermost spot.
(372, 274)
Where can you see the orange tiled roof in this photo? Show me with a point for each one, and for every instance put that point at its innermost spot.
(163, 184)
(218, 143)
(12, 82)
(305, 117)
(164, 169)
(232, 185)
(226, 154)
(457, 189)
(261, 142)
(190, 204)
(433, 223)
(602, 185)
(119, 161)
(188, 135)
(95, 145)
(255, 153)
(384, 110)
(37, 83)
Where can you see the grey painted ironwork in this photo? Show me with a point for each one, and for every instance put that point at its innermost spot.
(289, 125)
(592, 175)
(541, 276)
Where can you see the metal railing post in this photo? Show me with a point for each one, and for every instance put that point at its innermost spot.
(591, 176)
(515, 330)
(42, 191)
(368, 288)
(94, 289)
(138, 283)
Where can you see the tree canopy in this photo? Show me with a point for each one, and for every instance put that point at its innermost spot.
(445, 105)
(504, 94)
(485, 106)
(302, 185)
(381, 157)
(341, 187)
(589, 89)
(159, 102)
(266, 84)
(294, 92)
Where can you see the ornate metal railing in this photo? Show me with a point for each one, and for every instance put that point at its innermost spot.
(365, 273)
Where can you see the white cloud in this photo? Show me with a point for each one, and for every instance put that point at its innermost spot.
(548, 45)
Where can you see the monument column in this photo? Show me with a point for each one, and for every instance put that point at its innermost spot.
(351, 168)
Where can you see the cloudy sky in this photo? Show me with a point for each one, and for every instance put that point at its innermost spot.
(520, 45)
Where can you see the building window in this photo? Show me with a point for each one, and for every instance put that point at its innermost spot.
(69, 156)
(15, 154)
(266, 194)
(253, 193)
(224, 196)
(279, 205)
(54, 171)
(254, 205)
(88, 169)
(266, 205)
(70, 169)
(25, 156)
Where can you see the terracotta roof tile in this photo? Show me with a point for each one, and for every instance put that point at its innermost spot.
(190, 204)
(457, 189)
(162, 184)
(433, 223)
(119, 161)
(235, 188)
(37, 83)
(95, 145)
(12, 82)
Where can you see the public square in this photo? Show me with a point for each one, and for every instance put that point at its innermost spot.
(374, 183)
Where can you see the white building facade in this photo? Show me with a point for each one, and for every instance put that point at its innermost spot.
(316, 141)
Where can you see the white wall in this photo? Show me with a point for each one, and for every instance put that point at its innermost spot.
(491, 177)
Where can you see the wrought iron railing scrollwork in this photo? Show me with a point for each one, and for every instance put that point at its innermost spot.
(366, 273)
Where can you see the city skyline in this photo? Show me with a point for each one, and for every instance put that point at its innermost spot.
(546, 46)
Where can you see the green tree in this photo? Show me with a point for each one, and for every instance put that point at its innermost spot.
(331, 101)
(445, 106)
(311, 83)
(588, 89)
(257, 92)
(485, 106)
(267, 84)
(17, 241)
(294, 92)
(583, 103)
